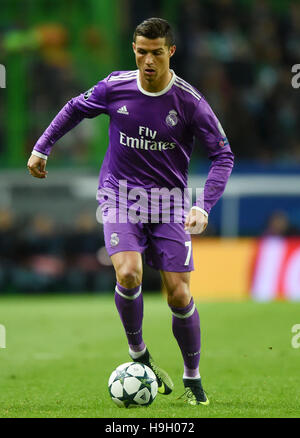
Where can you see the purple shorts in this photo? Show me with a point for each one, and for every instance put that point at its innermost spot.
(167, 246)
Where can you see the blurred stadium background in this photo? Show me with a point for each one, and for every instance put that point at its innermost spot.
(239, 54)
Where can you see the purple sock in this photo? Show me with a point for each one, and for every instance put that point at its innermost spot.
(129, 303)
(186, 329)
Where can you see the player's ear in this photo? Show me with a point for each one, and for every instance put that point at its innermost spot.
(134, 47)
(172, 50)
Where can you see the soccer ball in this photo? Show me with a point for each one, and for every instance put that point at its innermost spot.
(132, 383)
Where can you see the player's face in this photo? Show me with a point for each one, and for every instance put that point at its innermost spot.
(153, 61)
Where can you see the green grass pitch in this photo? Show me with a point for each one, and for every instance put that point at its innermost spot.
(60, 351)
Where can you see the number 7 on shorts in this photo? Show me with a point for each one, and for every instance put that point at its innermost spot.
(188, 244)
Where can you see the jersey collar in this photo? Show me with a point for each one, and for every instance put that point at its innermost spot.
(159, 93)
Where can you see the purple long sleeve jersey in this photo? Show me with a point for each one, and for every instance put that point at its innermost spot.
(151, 135)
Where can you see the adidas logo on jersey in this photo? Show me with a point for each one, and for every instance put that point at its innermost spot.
(123, 110)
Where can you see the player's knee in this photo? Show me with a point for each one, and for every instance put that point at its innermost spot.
(179, 295)
(129, 276)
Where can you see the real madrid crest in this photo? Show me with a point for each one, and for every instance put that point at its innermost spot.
(172, 119)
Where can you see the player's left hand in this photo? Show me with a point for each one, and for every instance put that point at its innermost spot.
(195, 222)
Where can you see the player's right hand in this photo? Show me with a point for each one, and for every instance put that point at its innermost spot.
(37, 167)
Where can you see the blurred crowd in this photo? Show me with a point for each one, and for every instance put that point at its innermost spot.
(40, 255)
(279, 225)
(239, 54)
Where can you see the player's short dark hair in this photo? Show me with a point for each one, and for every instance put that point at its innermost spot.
(155, 28)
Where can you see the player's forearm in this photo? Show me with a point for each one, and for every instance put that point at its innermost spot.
(65, 120)
(216, 181)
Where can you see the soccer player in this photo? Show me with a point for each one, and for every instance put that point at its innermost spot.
(154, 117)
